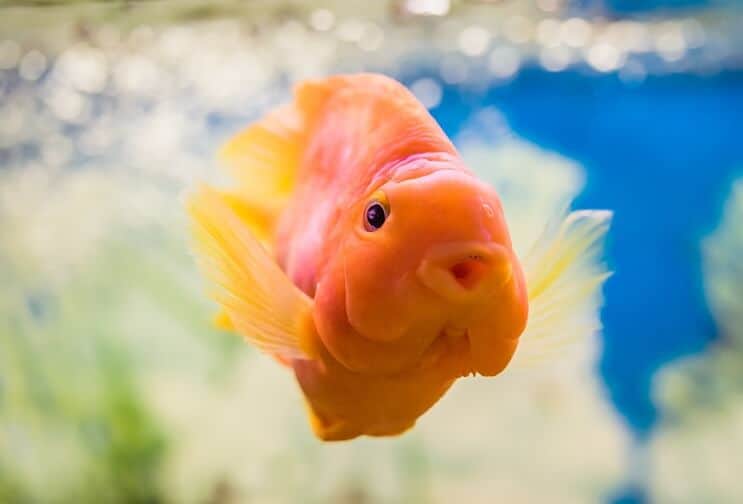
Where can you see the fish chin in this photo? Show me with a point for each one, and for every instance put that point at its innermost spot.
(446, 356)
(458, 353)
(478, 338)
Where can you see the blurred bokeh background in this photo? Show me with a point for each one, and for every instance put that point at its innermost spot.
(114, 387)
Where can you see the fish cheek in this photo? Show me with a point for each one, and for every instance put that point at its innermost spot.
(379, 303)
(331, 320)
(352, 350)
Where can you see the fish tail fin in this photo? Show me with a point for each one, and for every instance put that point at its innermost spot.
(256, 297)
(564, 272)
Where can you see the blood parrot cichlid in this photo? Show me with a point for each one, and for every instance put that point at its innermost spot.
(359, 250)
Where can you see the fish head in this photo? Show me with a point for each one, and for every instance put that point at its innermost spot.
(427, 255)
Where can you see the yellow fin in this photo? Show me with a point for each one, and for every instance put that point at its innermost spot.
(256, 296)
(564, 274)
(264, 159)
(258, 220)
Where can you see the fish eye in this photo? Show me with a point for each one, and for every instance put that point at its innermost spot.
(375, 214)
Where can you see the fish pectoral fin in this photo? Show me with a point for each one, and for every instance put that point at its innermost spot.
(257, 299)
(564, 274)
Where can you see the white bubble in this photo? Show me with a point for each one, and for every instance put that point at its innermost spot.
(504, 62)
(555, 59)
(83, 68)
(32, 65)
(10, 51)
(474, 40)
(428, 91)
(164, 132)
(604, 57)
(548, 32)
(66, 104)
(575, 32)
(670, 43)
(322, 19)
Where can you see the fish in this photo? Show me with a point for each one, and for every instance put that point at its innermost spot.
(355, 247)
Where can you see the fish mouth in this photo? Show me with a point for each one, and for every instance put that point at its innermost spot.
(465, 271)
(449, 352)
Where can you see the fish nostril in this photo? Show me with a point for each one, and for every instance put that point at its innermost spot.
(468, 272)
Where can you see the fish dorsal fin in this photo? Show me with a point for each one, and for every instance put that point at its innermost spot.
(564, 274)
(265, 157)
(310, 96)
(257, 299)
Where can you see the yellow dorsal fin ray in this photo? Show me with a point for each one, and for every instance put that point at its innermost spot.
(564, 274)
(258, 220)
(264, 158)
(257, 299)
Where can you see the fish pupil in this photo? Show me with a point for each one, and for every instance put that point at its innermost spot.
(375, 216)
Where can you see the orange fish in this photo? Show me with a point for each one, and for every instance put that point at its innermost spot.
(359, 250)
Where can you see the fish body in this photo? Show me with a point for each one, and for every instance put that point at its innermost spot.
(391, 271)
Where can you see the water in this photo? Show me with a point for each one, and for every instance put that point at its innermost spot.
(110, 370)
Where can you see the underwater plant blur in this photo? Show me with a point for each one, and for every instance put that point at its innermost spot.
(115, 387)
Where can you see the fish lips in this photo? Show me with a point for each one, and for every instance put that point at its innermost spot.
(467, 272)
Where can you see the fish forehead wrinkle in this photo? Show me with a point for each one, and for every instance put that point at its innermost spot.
(444, 205)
